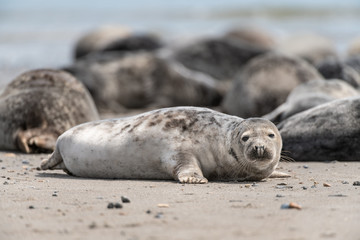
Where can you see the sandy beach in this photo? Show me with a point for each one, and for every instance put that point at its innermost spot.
(52, 205)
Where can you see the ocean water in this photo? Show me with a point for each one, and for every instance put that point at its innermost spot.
(42, 33)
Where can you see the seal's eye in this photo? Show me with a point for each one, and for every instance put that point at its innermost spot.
(245, 138)
(271, 135)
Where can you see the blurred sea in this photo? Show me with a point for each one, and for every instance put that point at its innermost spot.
(42, 33)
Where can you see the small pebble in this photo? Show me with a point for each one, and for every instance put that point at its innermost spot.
(110, 205)
(338, 195)
(290, 205)
(118, 205)
(54, 195)
(125, 199)
(279, 195)
(306, 166)
(326, 185)
(283, 187)
(5, 183)
(163, 205)
(345, 182)
(3, 167)
(92, 225)
(1, 160)
(254, 184)
(31, 207)
(313, 186)
(304, 188)
(247, 185)
(25, 162)
(356, 183)
(159, 215)
(148, 211)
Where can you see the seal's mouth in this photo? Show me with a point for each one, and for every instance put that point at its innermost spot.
(260, 153)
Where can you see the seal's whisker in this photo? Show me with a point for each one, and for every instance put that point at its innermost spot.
(284, 158)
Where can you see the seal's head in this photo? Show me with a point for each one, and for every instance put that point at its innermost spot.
(258, 143)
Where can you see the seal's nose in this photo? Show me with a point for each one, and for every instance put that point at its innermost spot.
(260, 150)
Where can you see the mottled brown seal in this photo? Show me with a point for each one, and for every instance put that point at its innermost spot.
(187, 144)
(38, 106)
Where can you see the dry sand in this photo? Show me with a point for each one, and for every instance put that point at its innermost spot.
(52, 205)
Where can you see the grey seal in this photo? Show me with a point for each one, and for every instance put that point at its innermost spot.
(38, 106)
(264, 84)
(311, 94)
(333, 68)
(187, 144)
(115, 39)
(324, 133)
(221, 58)
(311, 47)
(120, 82)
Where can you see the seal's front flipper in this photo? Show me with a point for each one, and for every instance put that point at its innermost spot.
(187, 169)
(277, 174)
(191, 178)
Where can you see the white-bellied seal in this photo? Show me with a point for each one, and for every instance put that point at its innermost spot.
(264, 84)
(187, 144)
(309, 95)
(327, 132)
(38, 106)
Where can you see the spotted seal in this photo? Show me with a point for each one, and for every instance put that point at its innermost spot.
(38, 106)
(188, 144)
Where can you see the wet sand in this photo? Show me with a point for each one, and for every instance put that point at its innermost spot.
(52, 205)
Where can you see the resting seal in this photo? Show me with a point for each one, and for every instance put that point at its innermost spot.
(309, 95)
(187, 144)
(38, 106)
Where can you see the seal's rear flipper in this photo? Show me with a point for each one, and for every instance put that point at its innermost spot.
(277, 174)
(35, 140)
(54, 162)
(45, 141)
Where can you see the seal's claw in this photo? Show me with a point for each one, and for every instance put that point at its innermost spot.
(277, 174)
(192, 179)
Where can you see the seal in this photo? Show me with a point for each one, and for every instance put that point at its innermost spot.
(324, 133)
(38, 106)
(220, 58)
(337, 69)
(265, 83)
(188, 144)
(119, 83)
(309, 95)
